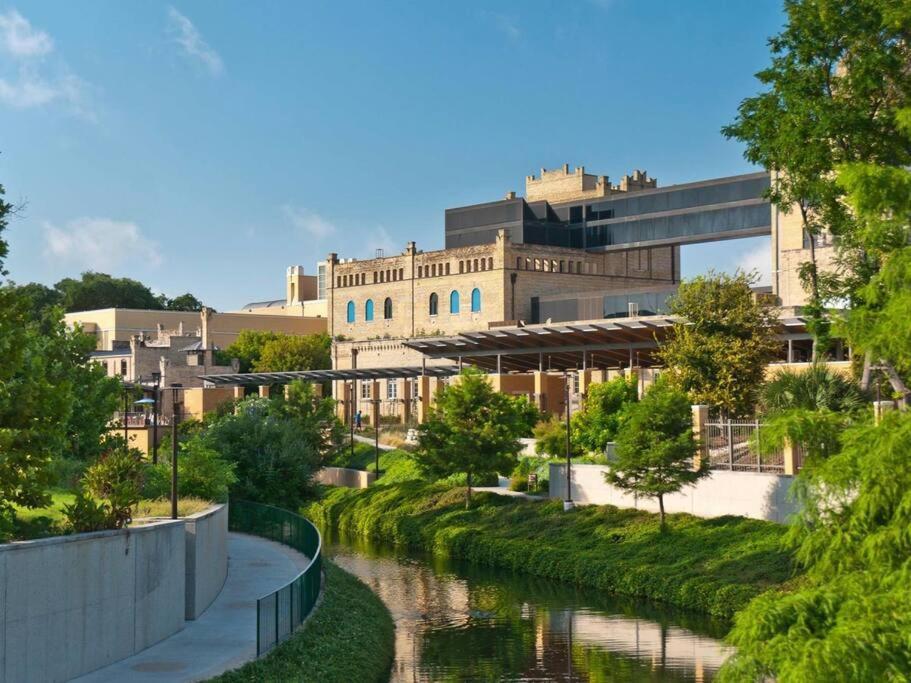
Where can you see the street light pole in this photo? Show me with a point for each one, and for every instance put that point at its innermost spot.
(376, 430)
(174, 420)
(126, 399)
(568, 503)
(156, 379)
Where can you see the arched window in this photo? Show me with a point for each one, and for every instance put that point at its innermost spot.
(387, 308)
(454, 302)
(434, 303)
(368, 310)
(475, 300)
(350, 311)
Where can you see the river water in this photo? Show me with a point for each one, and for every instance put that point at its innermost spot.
(461, 622)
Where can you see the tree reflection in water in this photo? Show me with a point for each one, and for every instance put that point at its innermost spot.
(460, 622)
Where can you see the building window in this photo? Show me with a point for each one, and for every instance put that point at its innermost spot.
(123, 368)
(392, 390)
(453, 302)
(350, 311)
(475, 300)
(387, 308)
(461, 266)
(365, 390)
(321, 281)
(474, 266)
(447, 269)
(434, 303)
(368, 310)
(562, 265)
(401, 273)
(415, 389)
(490, 263)
(420, 271)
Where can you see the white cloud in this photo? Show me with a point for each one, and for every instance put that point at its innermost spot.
(28, 82)
(20, 40)
(100, 244)
(308, 221)
(757, 259)
(187, 36)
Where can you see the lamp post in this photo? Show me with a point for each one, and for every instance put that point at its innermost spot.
(568, 503)
(126, 405)
(175, 388)
(376, 434)
(156, 380)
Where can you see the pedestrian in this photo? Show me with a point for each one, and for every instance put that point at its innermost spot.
(357, 420)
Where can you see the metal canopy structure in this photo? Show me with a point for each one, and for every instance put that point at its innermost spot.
(607, 343)
(270, 378)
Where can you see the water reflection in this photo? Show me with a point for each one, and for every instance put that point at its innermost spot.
(460, 622)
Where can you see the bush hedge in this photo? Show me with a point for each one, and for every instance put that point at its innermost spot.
(350, 637)
(711, 565)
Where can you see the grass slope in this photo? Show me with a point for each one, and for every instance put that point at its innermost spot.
(350, 637)
(711, 565)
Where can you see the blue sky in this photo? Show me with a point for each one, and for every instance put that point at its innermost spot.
(206, 146)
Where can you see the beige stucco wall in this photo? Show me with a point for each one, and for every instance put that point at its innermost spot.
(121, 324)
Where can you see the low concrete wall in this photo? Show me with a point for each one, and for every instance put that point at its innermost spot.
(748, 494)
(343, 476)
(207, 558)
(72, 604)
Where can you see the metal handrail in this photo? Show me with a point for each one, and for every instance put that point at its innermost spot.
(280, 612)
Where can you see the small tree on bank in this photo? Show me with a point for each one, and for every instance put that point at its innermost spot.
(655, 446)
(473, 429)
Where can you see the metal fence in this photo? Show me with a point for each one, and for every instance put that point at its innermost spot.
(737, 445)
(282, 611)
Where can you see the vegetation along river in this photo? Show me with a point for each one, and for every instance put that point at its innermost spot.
(461, 622)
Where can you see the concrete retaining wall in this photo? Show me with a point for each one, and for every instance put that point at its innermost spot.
(207, 558)
(343, 476)
(72, 604)
(748, 494)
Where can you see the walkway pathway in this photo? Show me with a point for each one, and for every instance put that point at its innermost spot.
(502, 489)
(224, 637)
(370, 442)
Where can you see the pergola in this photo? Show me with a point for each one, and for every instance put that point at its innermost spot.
(272, 378)
(607, 343)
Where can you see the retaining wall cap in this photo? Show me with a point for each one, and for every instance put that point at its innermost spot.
(76, 538)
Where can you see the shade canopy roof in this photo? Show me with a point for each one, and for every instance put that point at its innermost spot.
(268, 378)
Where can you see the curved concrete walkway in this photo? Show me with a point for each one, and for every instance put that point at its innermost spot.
(224, 637)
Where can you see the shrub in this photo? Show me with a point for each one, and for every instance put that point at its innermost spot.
(86, 514)
(518, 482)
(116, 478)
(815, 388)
(201, 473)
(602, 414)
(550, 438)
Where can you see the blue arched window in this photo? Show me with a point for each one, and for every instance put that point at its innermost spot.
(434, 303)
(475, 300)
(387, 308)
(350, 311)
(368, 310)
(454, 302)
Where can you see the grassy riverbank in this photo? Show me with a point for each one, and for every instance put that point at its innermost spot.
(350, 637)
(711, 565)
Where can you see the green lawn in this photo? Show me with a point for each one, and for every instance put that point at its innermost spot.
(711, 565)
(34, 523)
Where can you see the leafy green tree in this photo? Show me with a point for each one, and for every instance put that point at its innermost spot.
(316, 416)
(116, 479)
(837, 78)
(473, 429)
(602, 413)
(275, 451)
(550, 438)
(202, 472)
(289, 352)
(655, 446)
(184, 302)
(41, 298)
(849, 619)
(247, 348)
(5, 210)
(722, 342)
(99, 290)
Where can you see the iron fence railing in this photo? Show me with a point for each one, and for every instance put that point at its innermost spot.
(283, 610)
(737, 445)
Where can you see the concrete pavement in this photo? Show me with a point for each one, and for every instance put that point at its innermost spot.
(224, 637)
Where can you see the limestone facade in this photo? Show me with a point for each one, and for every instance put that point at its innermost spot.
(470, 288)
(563, 185)
(790, 250)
